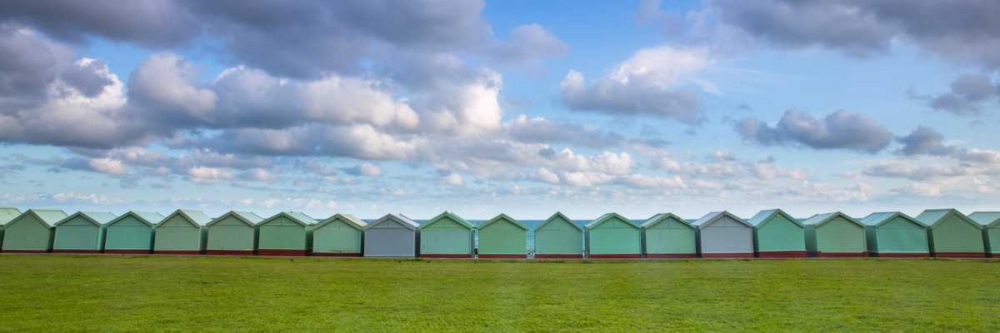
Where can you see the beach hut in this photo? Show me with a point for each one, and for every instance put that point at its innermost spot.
(613, 236)
(894, 234)
(131, 233)
(558, 238)
(669, 236)
(82, 232)
(284, 234)
(233, 233)
(503, 237)
(391, 236)
(341, 235)
(446, 236)
(991, 230)
(952, 234)
(31, 232)
(778, 235)
(835, 235)
(181, 232)
(7, 214)
(724, 235)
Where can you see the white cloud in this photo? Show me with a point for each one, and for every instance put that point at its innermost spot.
(108, 166)
(547, 176)
(207, 174)
(369, 170)
(452, 179)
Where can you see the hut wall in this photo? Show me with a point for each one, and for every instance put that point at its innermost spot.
(445, 237)
(615, 237)
(281, 233)
(337, 237)
(389, 239)
(559, 237)
(993, 235)
(177, 234)
(502, 237)
(230, 234)
(670, 237)
(780, 234)
(900, 236)
(956, 235)
(128, 233)
(840, 235)
(27, 234)
(77, 234)
(726, 236)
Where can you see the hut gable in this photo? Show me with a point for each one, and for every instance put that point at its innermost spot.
(819, 220)
(986, 219)
(47, 217)
(32, 230)
(392, 220)
(761, 219)
(835, 234)
(97, 219)
(895, 234)
(723, 218)
(448, 218)
(247, 218)
(880, 219)
(665, 220)
(503, 218)
(613, 220)
(147, 218)
(347, 219)
(194, 218)
(8, 214)
(295, 218)
(934, 217)
(558, 219)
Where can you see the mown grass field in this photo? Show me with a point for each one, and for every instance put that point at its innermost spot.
(72, 293)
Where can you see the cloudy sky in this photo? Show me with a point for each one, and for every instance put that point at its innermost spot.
(369, 107)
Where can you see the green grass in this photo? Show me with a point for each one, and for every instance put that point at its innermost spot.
(60, 293)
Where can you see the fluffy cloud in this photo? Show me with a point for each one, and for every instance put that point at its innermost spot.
(962, 30)
(838, 130)
(452, 179)
(967, 96)
(541, 130)
(166, 83)
(651, 82)
(924, 141)
(529, 44)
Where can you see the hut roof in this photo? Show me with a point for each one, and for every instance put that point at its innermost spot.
(247, 218)
(350, 219)
(607, 217)
(660, 218)
(821, 219)
(710, 218)
(880, 218)
(95, 218)
(48, 216)
(8, 214)
(932, 217)
(553, 218)
(504, 217)
(398, 218)
(297, 217)
(766, 215)
(449, 215)
(986, 219)
(147, 218)
(196, 217)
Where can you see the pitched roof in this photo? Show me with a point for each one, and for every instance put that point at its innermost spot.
(710, 218)
(195, 217)
(448, 215)
(607, 217)
(398, 218)
(97, 218)
(147, 218)
(879, 218)
(248, 218)
(932, 217)
(553, 218)
(297, 217)
(766, 215)
(660, 218)
(350, 219)
(8, 214)
(503, 217)
(987, 219)
(820, 219)
(48, 216)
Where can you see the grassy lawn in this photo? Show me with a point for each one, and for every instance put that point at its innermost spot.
(209, 293)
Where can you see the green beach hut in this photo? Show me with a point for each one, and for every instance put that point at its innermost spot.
(131, 233)
(613, 236)
(284, 234)
(446, 236)
(503, 237)
(669, 236)
(894, 234)
(558, 238)
(233, 233)
(341, 235)
(31, 232)
(778, 235)
(991, 230)
(181, 232)
(835, 235)
(82, 232)
(7, 214)
(952, 234)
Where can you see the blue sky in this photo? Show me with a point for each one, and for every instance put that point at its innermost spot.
(518, 107)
